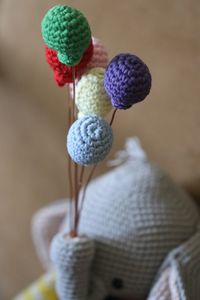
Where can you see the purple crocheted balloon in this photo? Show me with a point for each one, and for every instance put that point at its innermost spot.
(127, 80)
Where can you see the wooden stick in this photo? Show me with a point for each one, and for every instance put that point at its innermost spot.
(74, 93)
(75, 194)
(78, 193)
(113, 117)
(75, 165)
(81, 176)
(69, 161)
(84, 192)
(90, 176)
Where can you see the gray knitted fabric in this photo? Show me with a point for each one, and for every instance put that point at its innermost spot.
(179, 276)
(133, 218)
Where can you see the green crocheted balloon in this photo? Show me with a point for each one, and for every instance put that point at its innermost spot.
(66, 30)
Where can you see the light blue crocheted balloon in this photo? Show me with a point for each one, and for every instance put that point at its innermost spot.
(89, 140)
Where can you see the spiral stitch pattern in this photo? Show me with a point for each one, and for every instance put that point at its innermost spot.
(62, 72)
(91, 98)
(67, 31)
(89, 140)
(127, 80)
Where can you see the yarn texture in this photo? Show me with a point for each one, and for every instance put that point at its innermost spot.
(140, 227)
(138, 233)
(89, 140)
(63, 73)
(91, 98)
(67, 252)
(99, 56)
(94, 56)
(66, 30)
(42, 289)
(127, 80)
(140, 222)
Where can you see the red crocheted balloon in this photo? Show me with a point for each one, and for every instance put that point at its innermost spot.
(63, 73)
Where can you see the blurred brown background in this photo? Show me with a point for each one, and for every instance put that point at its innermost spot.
(165, 34)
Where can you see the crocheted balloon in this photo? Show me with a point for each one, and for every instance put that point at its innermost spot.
(94, 56)
(67, 31)
(63, 73)
(89, 140)
(91, 98)
(127, 80)
(99, 56)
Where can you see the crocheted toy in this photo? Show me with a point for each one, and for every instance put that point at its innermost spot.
(89, 140)
(135, 234)
(67, 31)
(91, 98)
(127, 80)
(141, 241)
(94, 56)
(63, 73)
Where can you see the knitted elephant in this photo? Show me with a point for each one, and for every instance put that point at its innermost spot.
(138, 238)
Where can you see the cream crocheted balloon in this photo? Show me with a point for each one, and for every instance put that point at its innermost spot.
(99, 59)
(91, 98)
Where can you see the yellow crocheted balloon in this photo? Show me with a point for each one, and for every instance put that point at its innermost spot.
(91, 98)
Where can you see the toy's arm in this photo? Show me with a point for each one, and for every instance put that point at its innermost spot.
(179, 277)
(161, 289)
(72, 259)
(45, 225)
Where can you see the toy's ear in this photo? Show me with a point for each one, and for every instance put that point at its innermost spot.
(179, 277)
(45, 225)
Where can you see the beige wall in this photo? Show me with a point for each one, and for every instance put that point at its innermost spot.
(33, 110)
